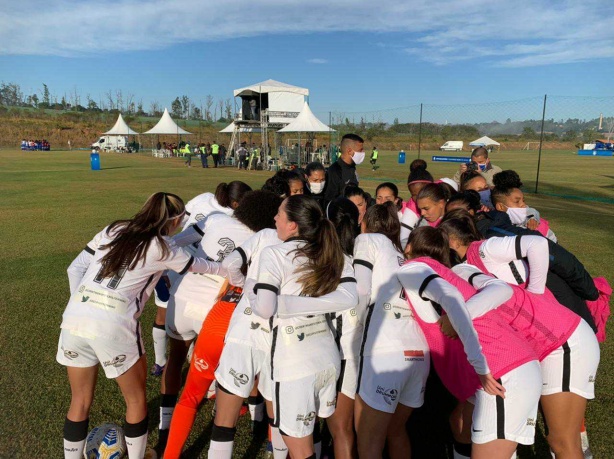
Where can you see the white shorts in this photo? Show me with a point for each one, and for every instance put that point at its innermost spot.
(265, 382)
(511, 418)
(239, 365)
(296, 404)
(573, 366)
(348, 378)
(394, 377)
(178, 325)
(115, 358)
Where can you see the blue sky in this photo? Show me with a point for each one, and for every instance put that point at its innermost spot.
(353, 55)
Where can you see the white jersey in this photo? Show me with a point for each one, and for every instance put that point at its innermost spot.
(245, 326)
(348, 330)
(409, 220)
(304, 345)
(200, 207)
(503, 257)
(109, 308)
(220, 234)
(389, 324)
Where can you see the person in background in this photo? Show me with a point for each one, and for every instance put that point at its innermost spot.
(315, 175)
(223, 151)
(203, 155)
(374, 155)
(479, 157)
(242, 154)
(343, 172)
(215, 152)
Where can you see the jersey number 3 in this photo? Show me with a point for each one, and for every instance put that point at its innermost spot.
(228, 246)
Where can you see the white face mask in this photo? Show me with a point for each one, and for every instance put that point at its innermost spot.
(359, 157)
(518, 215)
(316, 188)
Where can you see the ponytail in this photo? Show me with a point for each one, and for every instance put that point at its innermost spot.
(226, 194)
(132, 238)
(322, 272)
(344, 215)
(384, 219)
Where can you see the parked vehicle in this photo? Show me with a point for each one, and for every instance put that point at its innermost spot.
(452, 145)
(111, 143)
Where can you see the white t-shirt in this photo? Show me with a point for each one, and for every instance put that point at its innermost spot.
(504, 258)
(301, 346)
(110, 308)
(389, 325)
(245, 326)
(200, 207)
(220, 234)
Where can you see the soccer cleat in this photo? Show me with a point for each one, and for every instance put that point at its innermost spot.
(157, 370)
(586, 449)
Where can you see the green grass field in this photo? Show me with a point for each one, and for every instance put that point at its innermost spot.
(52, 204)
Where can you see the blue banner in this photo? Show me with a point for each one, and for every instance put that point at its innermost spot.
(450, 159)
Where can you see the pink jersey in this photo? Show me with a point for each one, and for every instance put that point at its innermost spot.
(543, 227)
(502, 346)
(599, 309)
(410, 204)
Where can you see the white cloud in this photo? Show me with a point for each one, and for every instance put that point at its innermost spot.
(317, 61)
(506, 33)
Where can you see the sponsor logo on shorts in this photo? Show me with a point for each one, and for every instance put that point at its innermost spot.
(255, 326)
(117, 361)
(531, 422)
(592, 379)
(332, 402)
(476, 430)
(306, 418)
(200, 364)
(389, 395)
(70, 450)
(71, 354)
(248, 311)
(240, 378)
(414, 356)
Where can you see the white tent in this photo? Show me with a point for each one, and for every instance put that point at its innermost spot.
(283, 101)
(269, 86)
(231, 127)
(306, 121)
(484, 142)
(121, 128)
(166, 125)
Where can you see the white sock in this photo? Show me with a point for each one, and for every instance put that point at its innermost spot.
(280, 450)
(73, 449)
(136, 446)
(514, 456)
(159, 341)
(220, 449)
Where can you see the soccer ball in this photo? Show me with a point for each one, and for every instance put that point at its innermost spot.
(105, 442)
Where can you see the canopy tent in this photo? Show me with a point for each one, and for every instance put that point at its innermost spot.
(484, 142)
(121, 128)
(282, 101)
(166, 125)
(268, 86)
(231, 127)
(306, 121)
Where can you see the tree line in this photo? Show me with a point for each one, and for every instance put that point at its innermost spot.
(11, 95)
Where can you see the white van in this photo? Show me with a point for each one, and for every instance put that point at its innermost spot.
(452, 145)
(111, 143)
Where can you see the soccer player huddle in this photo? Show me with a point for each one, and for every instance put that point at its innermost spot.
(313, 306)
